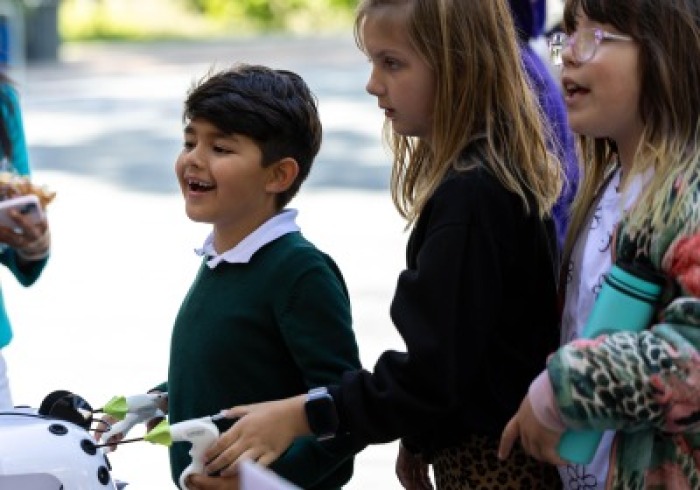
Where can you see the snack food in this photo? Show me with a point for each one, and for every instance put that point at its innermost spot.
(14, 185)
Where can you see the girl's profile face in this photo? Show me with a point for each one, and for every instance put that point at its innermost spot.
(402, 81)
(602, 94)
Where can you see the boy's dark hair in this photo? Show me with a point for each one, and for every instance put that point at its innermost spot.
(275, 108)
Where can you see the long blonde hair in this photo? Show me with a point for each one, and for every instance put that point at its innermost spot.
(483, 100)
(668, 37)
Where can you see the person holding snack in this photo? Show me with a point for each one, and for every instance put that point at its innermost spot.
(25, 245)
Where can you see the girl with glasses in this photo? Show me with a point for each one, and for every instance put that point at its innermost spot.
(583, 43)
(630, 72)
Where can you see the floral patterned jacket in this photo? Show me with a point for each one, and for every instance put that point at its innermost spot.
(645, 385)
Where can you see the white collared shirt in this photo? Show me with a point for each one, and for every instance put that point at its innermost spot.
(272, 229)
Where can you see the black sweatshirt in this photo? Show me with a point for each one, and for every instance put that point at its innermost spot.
(476, 307)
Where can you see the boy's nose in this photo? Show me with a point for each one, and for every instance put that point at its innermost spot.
(193, 157)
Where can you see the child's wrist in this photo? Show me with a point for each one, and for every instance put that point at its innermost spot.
(544, 403)
(39, 249)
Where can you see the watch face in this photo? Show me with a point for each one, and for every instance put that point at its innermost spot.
(321, 415)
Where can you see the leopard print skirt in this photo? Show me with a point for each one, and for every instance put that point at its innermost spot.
(474, 465)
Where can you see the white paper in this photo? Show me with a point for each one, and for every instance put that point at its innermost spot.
(256, 477)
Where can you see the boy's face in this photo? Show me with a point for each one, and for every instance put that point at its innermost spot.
(223, 181)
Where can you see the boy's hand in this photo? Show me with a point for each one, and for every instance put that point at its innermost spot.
(152, 423)
(263, 433)
(104, 425)
(203, 482)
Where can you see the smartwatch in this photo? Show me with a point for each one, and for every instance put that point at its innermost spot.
(321, 413)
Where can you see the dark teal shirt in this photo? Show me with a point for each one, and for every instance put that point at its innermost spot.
(25, 272)
(267, 329)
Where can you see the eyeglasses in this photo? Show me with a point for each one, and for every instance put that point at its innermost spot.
(583, 44)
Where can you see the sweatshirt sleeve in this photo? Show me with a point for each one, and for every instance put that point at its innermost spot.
(448, 307)
(26, 272)
(401, 396)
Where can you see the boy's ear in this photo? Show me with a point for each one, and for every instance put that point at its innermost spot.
(283, 173)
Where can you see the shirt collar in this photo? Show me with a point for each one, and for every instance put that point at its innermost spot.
(272, 229)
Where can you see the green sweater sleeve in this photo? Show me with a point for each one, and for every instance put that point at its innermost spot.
(316, 324)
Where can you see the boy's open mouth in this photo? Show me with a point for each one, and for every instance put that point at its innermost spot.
(199, 186)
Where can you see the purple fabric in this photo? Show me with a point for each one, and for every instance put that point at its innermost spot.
(552, 103)
(529, 16)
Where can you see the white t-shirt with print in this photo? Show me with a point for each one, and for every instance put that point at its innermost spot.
(591, 259)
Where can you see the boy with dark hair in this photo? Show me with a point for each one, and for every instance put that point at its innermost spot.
(268, 314)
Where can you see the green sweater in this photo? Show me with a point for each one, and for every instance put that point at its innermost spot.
(264, 330)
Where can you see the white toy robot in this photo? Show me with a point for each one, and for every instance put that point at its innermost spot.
(51, 448)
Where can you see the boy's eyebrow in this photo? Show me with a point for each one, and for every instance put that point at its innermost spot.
(188, 129)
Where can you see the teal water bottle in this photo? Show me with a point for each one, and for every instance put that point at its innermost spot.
(626, 302)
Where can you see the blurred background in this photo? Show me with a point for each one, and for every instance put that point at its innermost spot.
(34, 30)
(101, 85)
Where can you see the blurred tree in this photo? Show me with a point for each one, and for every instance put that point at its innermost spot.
(347, 4)
(159, 19)
(269, 14)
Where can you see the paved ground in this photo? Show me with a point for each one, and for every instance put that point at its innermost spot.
(103, 127)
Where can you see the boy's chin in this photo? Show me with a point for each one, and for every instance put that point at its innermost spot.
(197, 217)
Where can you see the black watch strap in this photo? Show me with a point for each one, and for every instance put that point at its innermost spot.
(321, 413)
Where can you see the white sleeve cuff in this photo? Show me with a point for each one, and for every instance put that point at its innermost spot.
(544, 404)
